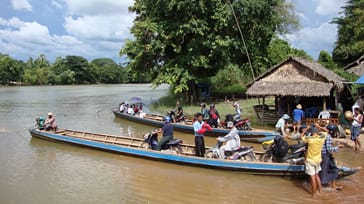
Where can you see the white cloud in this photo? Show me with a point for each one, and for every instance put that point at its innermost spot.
(98, 7)
(92, 29)
(24, 39)
(57, 4)
(111, 27)
(21, 4)
(329, 7)
(313, 40)
(99, 19)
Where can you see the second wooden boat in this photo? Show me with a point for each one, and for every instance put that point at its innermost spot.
(256, 136)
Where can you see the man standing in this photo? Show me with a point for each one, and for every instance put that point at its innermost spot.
(313, 155)
(167, 130)
(329, 174)
(298, 115)
(200, 129)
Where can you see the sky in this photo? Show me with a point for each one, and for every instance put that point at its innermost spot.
(98, 28)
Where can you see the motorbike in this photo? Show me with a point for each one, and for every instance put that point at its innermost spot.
(280, 152)
(240, 124)
(243, 153)
(151, 139)
(174, 117)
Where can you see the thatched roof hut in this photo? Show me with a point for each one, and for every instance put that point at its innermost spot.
(296, 77)
(356, 67)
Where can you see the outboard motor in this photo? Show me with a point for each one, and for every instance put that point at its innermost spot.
(40, 123)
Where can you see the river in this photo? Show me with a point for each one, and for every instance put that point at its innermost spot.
(38, 171)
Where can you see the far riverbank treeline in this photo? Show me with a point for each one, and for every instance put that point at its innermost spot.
(65, 70)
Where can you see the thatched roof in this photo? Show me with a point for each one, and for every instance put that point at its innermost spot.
(356, 67)
(296, 77)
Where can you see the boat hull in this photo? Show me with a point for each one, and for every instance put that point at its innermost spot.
(110, 145)
(248, 136)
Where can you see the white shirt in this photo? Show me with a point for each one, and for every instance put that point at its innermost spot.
(281, 122)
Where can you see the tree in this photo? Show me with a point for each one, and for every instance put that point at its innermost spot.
(81, 68)
(181, 42)
(326, 60)
(107, 71)
(279, 50)
(10, 69)
(350, 42)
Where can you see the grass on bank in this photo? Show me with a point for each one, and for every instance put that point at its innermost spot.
(168, 103)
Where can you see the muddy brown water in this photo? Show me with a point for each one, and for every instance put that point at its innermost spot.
(38, 171)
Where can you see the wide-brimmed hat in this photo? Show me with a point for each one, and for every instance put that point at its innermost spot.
(299, 106)
(285, 117)
(50, 113)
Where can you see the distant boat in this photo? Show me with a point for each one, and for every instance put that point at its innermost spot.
(137, 147)
(157, 121)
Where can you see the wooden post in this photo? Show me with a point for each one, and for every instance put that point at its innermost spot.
(263, 110)
(324, 104)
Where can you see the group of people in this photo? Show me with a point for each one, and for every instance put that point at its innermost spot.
(319, 160)
(132, 109)
(212, 116)
(202, 124)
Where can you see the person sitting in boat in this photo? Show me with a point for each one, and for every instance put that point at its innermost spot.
(214, 116)
(122, 107)
(232, 140)
(237, 111)
(204, 112)
(167, 130)
(179, 114)
(50, 123)
(136, 109)
(131, 110)
(281, 124)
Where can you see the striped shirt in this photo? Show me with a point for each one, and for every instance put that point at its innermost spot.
(328, 148)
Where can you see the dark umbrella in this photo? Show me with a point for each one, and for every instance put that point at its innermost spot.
(136, 99)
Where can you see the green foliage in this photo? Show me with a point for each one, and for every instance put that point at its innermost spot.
(67, 70)
(182, 42)
(82, 69)
(10, 69)
(350, 42)
(279, 50)
(326, 60)
(230, 79)
(107, 71)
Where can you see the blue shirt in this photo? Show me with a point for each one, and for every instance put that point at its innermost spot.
(196, 127)
(297, 115)
(167, 130)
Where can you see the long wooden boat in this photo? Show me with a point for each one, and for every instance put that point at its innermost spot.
(157, 121)
(138, 148)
